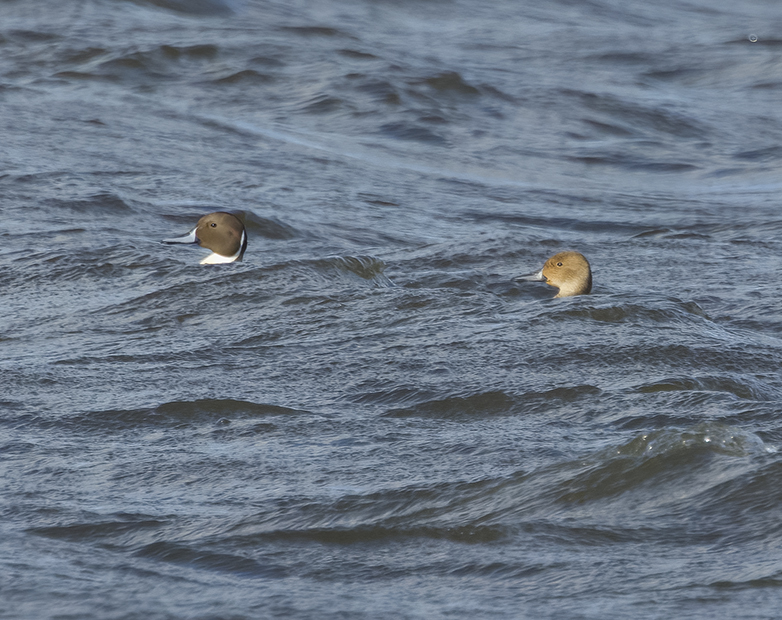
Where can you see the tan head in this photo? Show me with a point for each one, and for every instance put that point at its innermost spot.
(221, 232)
(567, 271)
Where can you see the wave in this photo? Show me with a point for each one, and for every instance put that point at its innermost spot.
(212, 561)
(195, 7)
(631, 310)
(492, 403)
(721, 479)
(172, 414)
(744, 387)
(609, 494)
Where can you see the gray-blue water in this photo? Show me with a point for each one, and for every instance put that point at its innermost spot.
(367, 417)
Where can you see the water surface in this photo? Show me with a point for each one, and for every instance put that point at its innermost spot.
(367, 417)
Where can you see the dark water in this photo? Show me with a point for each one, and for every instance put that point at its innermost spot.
(367, 418)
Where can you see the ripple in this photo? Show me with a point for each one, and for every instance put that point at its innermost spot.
(366, 267)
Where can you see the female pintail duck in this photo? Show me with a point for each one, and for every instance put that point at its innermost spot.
(221, 232)
(567, 271)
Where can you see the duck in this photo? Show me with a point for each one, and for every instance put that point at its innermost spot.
(221, 232)
(567, 271)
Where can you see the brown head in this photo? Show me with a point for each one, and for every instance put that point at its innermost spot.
(567, 271)
(221, 232)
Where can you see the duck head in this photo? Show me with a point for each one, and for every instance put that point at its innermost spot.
(567, 271)
(221, 232)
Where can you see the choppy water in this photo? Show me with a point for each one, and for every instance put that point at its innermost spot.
(367, 418)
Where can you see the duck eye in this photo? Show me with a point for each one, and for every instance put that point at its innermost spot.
(559, 264)
(213, 225)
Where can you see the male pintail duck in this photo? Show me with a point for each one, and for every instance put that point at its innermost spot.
(567, 271)
(221, 232)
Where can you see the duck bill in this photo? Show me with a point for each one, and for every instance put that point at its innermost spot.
(188, 238)
(531, 277)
